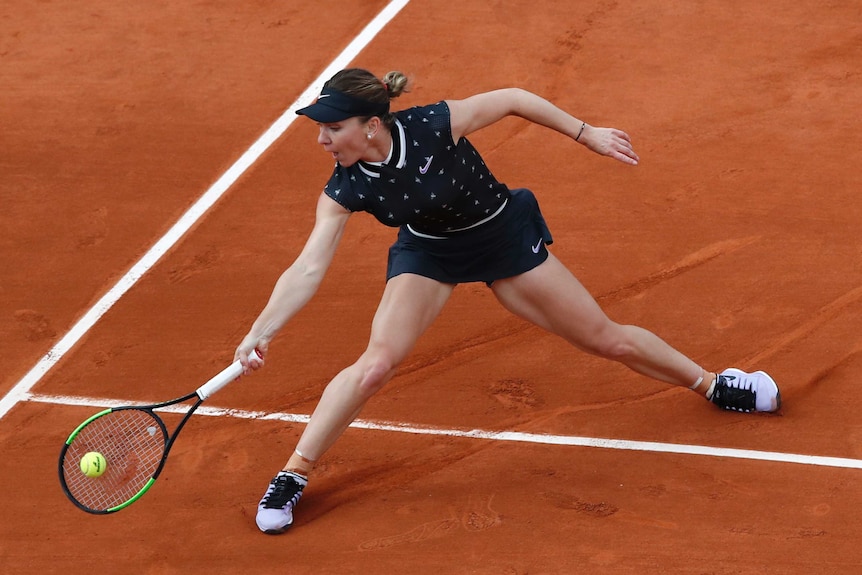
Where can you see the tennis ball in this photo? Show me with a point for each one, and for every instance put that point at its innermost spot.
(93, 464)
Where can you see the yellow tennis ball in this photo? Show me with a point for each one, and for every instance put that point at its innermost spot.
(93, 464)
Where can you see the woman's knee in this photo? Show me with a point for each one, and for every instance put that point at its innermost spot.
(612, 342)
(374, 370)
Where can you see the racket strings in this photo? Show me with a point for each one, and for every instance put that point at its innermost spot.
(132, 441)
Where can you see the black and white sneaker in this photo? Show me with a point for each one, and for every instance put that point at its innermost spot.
(275, 510)
(737, 390)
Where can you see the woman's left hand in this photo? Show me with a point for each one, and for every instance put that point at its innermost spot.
(609, 142)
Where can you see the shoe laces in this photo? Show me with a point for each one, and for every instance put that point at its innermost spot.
(730, 393)
(284, 489)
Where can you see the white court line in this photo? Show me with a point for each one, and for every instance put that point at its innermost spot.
(516, 436)
(194, 213)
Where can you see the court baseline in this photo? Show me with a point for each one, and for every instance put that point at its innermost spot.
(512, 436)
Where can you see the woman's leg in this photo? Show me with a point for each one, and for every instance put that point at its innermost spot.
(552, 298)
(409, 305)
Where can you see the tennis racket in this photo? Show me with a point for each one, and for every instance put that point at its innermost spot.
(134, 444)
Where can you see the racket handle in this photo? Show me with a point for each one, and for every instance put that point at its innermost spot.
(224, 377)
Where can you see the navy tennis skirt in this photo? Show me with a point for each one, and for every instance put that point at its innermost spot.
(511, 243)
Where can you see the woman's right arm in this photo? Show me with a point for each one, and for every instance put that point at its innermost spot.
(299, 282)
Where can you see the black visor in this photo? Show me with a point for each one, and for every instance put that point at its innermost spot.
(334, 106)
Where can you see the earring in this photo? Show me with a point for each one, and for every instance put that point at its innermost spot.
(370, 136)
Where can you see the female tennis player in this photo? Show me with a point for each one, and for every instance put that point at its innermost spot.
(416, 170)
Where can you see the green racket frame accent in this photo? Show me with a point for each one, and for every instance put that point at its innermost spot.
(134, 498)
(78, 429)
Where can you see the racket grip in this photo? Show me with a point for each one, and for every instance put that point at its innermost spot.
(224, 377)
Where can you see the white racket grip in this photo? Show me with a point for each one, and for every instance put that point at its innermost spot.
(224, 377)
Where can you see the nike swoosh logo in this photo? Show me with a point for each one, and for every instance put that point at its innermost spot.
(323, 96)
(424, 170)
(537, 247)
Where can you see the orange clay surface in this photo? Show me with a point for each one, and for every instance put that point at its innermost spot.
(737, 239)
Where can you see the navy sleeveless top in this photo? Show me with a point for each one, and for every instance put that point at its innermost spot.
(428, 181)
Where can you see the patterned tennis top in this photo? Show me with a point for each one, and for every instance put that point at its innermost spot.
(428, 181)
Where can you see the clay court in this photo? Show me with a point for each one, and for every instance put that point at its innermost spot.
(497, 449)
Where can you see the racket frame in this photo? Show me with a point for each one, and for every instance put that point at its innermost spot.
(217, 382)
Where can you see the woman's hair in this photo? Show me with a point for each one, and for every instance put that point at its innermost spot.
(362, 84)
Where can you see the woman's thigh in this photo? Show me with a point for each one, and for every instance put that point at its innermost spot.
(551, 297)
(409, 305)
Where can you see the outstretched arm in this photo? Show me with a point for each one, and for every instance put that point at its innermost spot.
(299, 282)
(481, 110)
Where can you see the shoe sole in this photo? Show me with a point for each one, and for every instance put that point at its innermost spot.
(275, 531)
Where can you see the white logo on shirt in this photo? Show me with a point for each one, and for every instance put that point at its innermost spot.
(424, 170)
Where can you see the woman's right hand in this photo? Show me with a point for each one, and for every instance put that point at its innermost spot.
(243, 353)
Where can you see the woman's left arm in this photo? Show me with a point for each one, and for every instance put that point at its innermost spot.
(481, 110)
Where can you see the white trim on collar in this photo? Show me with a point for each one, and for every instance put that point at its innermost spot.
(402, 155)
